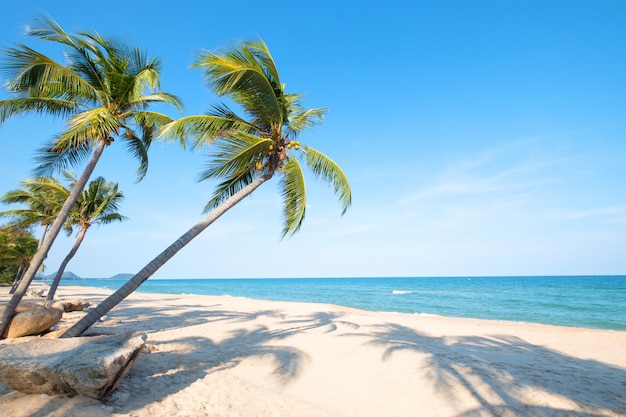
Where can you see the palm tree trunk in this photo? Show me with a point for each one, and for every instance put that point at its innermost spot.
(59, 274)
(43, 235)
(23, 269)
(134, 283)
(55, 228)
(18, 278)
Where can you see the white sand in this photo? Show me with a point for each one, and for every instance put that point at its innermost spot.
(223, 356)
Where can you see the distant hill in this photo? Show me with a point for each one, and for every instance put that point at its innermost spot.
(68, 275)
(122, 276)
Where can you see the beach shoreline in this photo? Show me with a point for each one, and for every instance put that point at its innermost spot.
(231, 356)
(574, 301)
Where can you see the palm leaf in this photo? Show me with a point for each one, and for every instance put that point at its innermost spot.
(229, 187)
(304, 120)
(50, 161)
(235, 154)
(293, 197)
(88, 126)
(142, 100)
(239, 73)
(138, 148)
(234, 158)
(41, 105)
(46, 28)
(264, 57)
(326, 169)
(202, 129)
(37, 75)
(149, 118)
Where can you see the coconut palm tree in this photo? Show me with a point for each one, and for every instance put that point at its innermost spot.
(42, 199)
(248, 150)
(97, 204)
(103, 91)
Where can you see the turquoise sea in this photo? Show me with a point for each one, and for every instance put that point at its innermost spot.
(579, 301)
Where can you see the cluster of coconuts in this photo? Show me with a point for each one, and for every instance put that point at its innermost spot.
(292, 144)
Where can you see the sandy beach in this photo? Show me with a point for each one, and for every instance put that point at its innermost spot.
(225, 356)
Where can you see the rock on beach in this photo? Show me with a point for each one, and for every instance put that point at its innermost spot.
(92, 366)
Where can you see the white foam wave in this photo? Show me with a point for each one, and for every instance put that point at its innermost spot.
(411, 314)
(401, 292)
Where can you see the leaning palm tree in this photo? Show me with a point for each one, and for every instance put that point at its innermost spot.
(97, 204)
(248, 150)
(103, 91)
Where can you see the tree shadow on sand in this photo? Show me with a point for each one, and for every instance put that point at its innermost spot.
(502, 372)
(179, 362)
(197, 356)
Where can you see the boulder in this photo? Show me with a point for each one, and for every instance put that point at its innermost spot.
(36, 292)
(32, 321)
(71, 305)
(27, 305)
(55, 334)
(92, 366)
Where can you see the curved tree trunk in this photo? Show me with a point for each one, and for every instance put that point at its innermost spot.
(134, 283)
(55, 228)
(59, 274)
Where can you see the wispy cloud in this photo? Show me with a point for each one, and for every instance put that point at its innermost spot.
(507, 169)
(609, 214)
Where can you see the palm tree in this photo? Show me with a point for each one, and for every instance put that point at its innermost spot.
(103, 91)
(247, 152)
(97, 204)
(42, 198)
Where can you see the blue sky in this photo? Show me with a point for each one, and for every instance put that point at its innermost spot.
(480, 138)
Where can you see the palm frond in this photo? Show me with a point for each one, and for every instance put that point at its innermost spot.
(143, 100)
(202, 129)
(304, 120)
(46, 28)
(293, 197)
(41, 105)
(138, 147)
(147, 79)
(234, 155)
(264, 57)
(98, 203)
(149, 118)
(42, 198)
(237, 159)
(49, 161)
(88, 126)
(30, 72)
(326, 169)
(129, 82)
(228, 188)
(239, 73)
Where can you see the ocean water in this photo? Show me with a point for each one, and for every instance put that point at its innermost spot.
(578, 301)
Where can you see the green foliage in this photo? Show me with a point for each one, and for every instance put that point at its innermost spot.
(263, 141)
(102, 92)
(97, 204)
(17, 247)
(41, 199)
